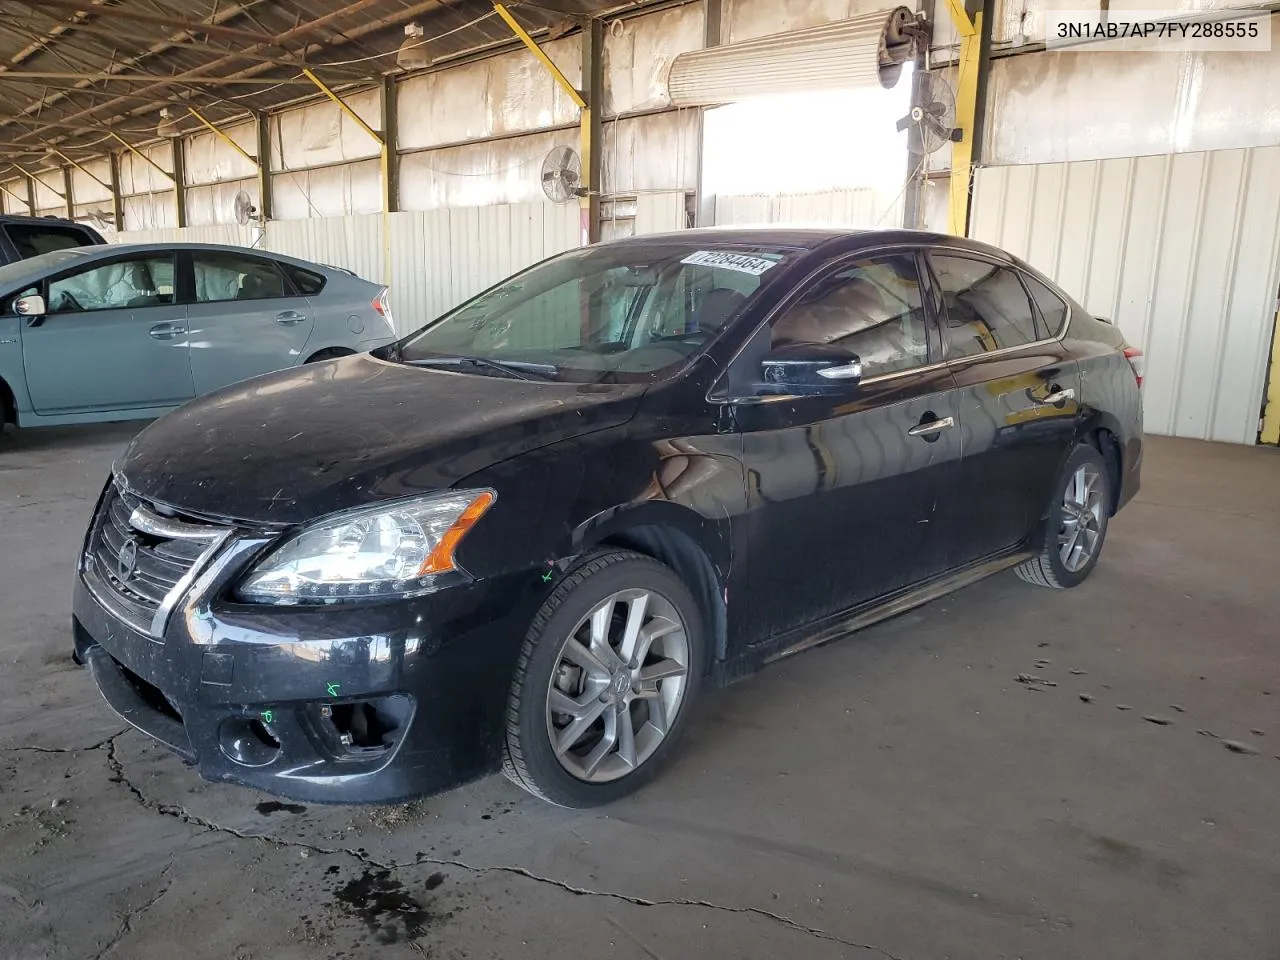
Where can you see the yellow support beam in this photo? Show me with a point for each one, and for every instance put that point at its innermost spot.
(964, 26)
(138, 153)
(36, 180)
(1271, 412)
(384, 162)
(966, 115)
(80, 168)
(16, 198)
(342, 105)
(536, 50)
(223, 135)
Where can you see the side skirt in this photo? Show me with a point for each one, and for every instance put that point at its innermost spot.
(841, 624)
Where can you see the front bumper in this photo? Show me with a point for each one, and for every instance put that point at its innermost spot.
(336, 704)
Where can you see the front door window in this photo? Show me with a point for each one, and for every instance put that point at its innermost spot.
(120, 285)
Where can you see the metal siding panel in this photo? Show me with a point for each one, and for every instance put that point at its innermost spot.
(1213, 272)
(1077, 225)
(1171, 299)
(1141, 256)
(988, 202)
(1110, 235)
(1044, 234)
(1181, 251)
(1250, 316)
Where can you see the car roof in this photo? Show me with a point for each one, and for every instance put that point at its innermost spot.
(24, 218)
(809, 238)
(19, 273)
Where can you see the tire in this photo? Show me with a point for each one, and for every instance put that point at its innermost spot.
(596, 602)
(1064, 563)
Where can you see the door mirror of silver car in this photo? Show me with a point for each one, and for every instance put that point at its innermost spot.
(30, 306)
(810, 368)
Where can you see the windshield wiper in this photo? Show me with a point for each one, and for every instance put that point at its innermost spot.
(519, 369)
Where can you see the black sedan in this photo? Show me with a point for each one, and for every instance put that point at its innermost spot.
(527, 535)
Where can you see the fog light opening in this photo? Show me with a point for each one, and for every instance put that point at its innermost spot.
(365, 727)
(248, 741)
(264, 734)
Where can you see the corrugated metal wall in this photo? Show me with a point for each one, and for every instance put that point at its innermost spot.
(437, 258)
(1182, 251)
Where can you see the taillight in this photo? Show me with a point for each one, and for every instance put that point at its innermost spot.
(1138, 362)
(383, 305)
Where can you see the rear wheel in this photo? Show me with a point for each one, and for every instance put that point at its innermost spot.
(1077, 523)
(605, 681)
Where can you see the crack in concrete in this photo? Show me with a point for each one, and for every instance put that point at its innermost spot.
(126, 921)
(99, 745)
(646, 902)
(181, 813)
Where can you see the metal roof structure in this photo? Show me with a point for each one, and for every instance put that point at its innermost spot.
(73, 72)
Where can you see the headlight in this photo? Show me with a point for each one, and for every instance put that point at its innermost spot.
(391, 550)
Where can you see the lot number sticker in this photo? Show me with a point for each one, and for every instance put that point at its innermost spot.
(730, 261)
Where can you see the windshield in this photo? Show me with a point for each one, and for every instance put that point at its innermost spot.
(630, 312)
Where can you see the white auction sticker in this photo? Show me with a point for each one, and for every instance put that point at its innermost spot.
(730, 261)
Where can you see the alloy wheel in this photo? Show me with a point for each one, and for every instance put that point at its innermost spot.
(618, 683)
(1082, 518)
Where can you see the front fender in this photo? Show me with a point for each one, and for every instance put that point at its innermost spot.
(13, 374)
(560, 501)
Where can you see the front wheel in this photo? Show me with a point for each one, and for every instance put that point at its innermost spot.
(1077, 523)
(605, 680)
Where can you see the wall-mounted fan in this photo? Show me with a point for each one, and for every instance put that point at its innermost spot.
(245, 210)
(562, 174)
(932, 120)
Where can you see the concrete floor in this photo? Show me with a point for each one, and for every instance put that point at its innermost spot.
(897, 794)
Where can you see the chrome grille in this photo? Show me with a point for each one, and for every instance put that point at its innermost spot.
(139, 561)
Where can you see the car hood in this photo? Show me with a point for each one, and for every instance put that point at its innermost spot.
(295, 445)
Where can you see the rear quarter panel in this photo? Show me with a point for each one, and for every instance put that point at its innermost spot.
(344, 316)
(1109, 395)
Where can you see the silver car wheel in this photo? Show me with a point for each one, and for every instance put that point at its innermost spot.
(618, 683)
(1083, 518)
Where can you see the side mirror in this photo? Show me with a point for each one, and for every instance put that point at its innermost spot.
(30, 306)
(810, 369)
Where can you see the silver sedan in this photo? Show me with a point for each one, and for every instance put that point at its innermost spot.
(127, 331)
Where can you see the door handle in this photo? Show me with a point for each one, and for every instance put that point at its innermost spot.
(931, 427)
(290, 316)
(1058, 396)
(167, 330)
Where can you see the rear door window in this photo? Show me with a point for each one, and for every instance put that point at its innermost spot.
(230, 276)
(33, 239)
(307, 283)
(1053, 310)
(986, 307)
